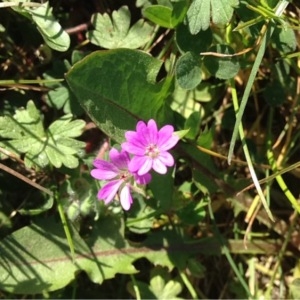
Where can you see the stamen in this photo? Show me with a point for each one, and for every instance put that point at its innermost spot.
(152, 151)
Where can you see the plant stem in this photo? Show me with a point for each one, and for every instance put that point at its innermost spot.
(135, 288)
(188, 285)
(247, 154)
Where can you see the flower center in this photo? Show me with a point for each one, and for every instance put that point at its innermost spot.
(152, 151)
(124, 175)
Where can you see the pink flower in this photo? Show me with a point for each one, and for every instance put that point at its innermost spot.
(118, 176)
(150, 147)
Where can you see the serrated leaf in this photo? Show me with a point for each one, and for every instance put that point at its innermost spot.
(202, 11)
(115, 86)
(65, 127)
(188, 71)
(115, 32)
(25, 134)
(53, 34)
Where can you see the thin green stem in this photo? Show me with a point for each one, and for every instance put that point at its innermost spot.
(66, 228)
(273, 164)
(135, 288)
(226, 252)
(188, 285)
(266, 32)
(247, 154)
(29, 81)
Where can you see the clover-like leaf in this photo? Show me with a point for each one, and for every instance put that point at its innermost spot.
(222, 67)
(115, 32)
(24, 133)
(202, 11)
(188, 71)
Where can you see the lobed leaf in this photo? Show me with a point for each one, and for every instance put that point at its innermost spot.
(24, 133)
(115, 32)
(202, 11)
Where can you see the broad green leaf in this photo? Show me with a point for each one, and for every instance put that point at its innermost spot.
(163, 188)
(53, 34)
(188, 71)
(195, 43)
(222, 67)
(115, 32)
(202, 11)
(37, 259)
(115, 87)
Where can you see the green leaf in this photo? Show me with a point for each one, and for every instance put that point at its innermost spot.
(25, 133)
(222, 67)
(193, 213)
(115, 87)
(53, 34)
(159, 14)
(115, 32)
(193, 42)
(162, 188)
(188, 71)
(37, 259)
(164, 16)
(284, 40)
(201, 11)
(193, 124)
(59, 95)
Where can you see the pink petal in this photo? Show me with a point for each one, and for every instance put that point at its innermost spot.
(135, 138)
(144, 179)
(120, 160)
(152, 132)
(140, 126)
(146, 167)
(165, 140)
(136, 163)
(159, 167)
(109, 191)
(166, 158)
(125, 197)
(133, 148)
(105, 170)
